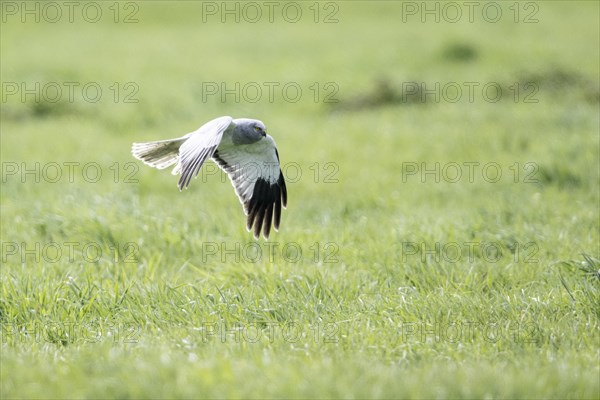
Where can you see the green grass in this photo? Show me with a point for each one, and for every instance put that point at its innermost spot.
(123, 287)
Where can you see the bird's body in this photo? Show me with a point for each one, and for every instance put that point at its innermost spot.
(242, 148)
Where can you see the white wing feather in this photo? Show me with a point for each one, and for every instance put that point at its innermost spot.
(255, 174)
(200, 145)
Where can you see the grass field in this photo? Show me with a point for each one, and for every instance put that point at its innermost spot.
(442, 232)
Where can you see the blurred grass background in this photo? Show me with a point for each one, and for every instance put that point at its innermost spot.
(362, 282)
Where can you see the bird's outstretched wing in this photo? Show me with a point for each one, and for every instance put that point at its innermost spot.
(256, 175)
(158, 154)
(200, 145)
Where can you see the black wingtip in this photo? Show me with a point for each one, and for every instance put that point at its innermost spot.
(283, 188)
(268, 219)
(264, 208)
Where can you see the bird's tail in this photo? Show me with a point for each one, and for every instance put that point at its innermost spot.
(159, 154)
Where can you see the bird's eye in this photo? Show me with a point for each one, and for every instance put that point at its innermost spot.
(257, 128)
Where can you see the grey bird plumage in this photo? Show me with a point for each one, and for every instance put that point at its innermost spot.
(243, 149)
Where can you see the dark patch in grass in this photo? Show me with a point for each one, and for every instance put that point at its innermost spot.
(557, 82)
(384, 93)
(38, 110)
(42, 109)
(52, 228)
(560, 176)
(45, 97)
(460, 52)
(553, 79)
(526, 88)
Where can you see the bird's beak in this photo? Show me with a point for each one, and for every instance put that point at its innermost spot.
(264, 134)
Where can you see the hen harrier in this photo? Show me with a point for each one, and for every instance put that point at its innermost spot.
(242, 148)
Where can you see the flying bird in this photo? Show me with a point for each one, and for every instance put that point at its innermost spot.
(243, 149)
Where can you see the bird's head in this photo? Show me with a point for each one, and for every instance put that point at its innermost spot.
(248, 131)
